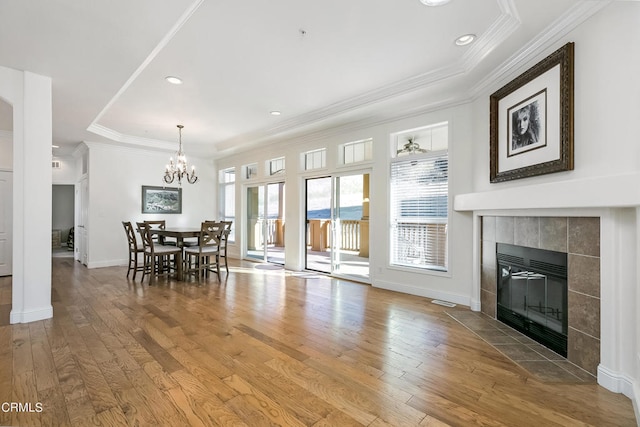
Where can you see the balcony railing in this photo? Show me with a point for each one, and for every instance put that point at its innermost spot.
(423, 244)
(319, 231)
(420, 244)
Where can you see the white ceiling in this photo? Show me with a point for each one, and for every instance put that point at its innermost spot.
(322, 63)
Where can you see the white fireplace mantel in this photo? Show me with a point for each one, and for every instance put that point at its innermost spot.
(616, 200)
(616, 191)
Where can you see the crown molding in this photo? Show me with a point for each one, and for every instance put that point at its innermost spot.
(161, 45)
(125, 148)
(317, 135)
(506, 24)
(131, 140)
(562, 26)
(503, 27)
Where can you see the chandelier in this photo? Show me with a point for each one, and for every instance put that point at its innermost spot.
(180, 167)
(411, 147)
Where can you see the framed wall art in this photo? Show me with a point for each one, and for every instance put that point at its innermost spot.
(165, 200)
(531, 129)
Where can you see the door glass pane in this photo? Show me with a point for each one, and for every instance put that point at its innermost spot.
(350, 253)
(255, 222)
(275, 223)
(318, 219)
(338, 239)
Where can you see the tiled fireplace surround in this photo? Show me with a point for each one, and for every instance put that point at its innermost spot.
(579, 237)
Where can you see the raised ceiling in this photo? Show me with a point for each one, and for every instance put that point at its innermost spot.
(323, 64)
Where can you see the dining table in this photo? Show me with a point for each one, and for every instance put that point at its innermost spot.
(179, 233)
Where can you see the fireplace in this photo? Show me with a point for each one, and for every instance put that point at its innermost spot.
(532, 293)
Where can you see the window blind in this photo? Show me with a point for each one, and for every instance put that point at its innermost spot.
(419, 211)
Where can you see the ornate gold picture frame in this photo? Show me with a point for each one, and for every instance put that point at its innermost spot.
(531, 129)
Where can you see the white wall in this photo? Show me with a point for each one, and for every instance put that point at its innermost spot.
(68, 173)
(606, 177)
(605, 180)
(116, 177)
(607, 102)
(453, 286)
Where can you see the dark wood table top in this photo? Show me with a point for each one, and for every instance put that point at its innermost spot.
(178, 232)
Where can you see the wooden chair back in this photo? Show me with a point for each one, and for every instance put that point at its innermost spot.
(145, 233)
(211, 233)
(159, 224)
(131, 236)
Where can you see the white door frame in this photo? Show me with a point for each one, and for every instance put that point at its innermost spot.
(6, 222)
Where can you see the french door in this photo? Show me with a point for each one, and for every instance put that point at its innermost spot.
(265, 222)
(337, 225)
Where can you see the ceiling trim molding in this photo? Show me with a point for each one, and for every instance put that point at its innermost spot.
(503, 27)
(132, 140)
(316, 135)
(506, 24)
(163, 43)
(550, 35)
(124, 147)
(500, 30)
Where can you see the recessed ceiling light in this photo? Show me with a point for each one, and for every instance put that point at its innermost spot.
(174, 80)
(55, 146)
(275, 113)
(465, 40)
(434, 2)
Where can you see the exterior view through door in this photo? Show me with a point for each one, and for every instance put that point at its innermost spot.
(265, 222)
(337, 225)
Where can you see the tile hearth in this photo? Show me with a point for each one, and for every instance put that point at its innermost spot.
(542, 363)
(579, 237)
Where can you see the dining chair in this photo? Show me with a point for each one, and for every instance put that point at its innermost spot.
(160, 224)
(157, 257)
(134, 249)
(223, 242)
(205, 257)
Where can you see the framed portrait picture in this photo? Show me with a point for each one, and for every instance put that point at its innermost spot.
(531, 129)
(163, 200)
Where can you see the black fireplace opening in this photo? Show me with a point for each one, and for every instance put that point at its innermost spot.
(532, 293)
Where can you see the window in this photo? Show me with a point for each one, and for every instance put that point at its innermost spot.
(355, 152)
(227, 182)
(251, 171)
(276, 166)
(422, 140)
(316, 159)
(419, 210)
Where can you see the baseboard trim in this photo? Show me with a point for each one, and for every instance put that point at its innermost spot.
(108, 263)
(31, 315)
(421, 292)
(619, 383)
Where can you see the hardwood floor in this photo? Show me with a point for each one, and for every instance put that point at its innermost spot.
(266, 347)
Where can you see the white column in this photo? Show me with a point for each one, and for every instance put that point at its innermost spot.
(31, 292)
(618, 294)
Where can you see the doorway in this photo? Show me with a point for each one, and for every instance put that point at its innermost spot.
(62, 220)
(337, 225)
(265, 222)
